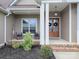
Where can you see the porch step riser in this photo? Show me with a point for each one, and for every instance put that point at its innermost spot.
(65, 47)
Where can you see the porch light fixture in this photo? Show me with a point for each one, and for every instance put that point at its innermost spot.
(56, 14)
(56, 11)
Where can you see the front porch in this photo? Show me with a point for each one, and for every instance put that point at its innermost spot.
(41, 22)
(51, 41)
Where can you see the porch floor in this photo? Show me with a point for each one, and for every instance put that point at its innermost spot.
(59, 41)
(51, 41)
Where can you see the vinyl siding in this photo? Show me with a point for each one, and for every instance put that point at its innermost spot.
(1, 27)
(10, 25)
(74, 22)
(65, 24)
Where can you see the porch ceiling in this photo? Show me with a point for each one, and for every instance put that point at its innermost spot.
(57, 6)
(25, 10)
(39, 1)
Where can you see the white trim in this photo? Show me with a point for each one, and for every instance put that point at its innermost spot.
(22, 25)
(47, 24)
(2, 44)
(37, 4)
(29, 28)
(56, 1)
(3, 10)
(13, 2)
(70, 24)
(5, 37)
(36, 26)
(42, 42)
(52, 1)
(77, 23)
(24, 8)
(60, 25)
(29, 24)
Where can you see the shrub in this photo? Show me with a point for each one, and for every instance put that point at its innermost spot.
(15, 45)
(27, 43)
(46, 52)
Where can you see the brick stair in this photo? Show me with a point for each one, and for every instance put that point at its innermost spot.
(65, 47)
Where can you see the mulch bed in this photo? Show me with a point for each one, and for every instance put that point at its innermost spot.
(7, 52)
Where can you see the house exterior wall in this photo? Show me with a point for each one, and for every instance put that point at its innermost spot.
(9, 27)
(65, 24)
(18, 22)
(1, 27)
(17, 25)
(74, 23)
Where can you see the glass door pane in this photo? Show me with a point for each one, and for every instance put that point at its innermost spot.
(33, 25)
(50, 25)
(25, 26)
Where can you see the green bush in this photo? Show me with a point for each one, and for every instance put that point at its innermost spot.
(46, 52)
(27, 43)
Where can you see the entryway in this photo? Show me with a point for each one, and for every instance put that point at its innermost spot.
(54, 27)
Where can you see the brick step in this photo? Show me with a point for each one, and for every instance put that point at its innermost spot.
(65, 47)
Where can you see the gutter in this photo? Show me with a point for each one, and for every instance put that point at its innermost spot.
(13, 2)
(3, 10)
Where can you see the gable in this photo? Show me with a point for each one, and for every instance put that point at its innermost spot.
(5, 3)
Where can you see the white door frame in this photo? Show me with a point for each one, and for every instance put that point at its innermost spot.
(78, 23)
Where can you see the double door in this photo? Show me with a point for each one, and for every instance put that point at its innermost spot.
(54, 27)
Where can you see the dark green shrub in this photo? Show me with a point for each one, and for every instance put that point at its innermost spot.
(27, 43)
(46, 52)
(21, 46)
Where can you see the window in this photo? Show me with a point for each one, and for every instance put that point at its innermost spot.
(29, 25)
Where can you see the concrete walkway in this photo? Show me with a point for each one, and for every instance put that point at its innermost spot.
(66, 55)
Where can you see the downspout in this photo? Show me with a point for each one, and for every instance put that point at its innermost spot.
(5, 18)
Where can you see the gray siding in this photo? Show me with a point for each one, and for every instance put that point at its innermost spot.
(9, 28)
(1, 27)
(65, 24)
(74, 22)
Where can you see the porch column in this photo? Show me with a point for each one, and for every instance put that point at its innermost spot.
(5, 29)
(77, 23)
(42, 25)
(47, 24)
(70, 23)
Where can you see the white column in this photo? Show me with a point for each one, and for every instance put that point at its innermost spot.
(47, 24)
(70, 24)
(77, 23)
(5, 29)
(42, 24)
